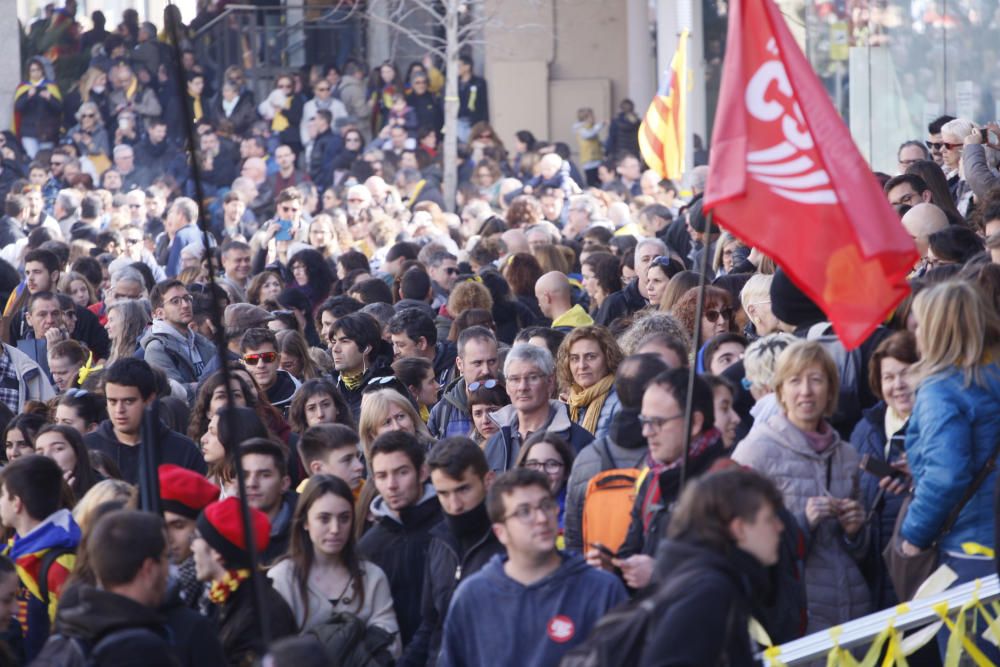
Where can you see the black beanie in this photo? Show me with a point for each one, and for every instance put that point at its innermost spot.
(790, 305)
(697, 218)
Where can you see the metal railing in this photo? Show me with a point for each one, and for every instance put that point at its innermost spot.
(862, 631)
(266, 41)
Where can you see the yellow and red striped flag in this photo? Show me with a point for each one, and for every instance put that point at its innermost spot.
(661, 134)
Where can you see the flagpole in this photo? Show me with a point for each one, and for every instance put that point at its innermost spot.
(696, 343)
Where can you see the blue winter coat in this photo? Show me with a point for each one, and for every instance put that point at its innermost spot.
(953, 430)
(869, 438)
(494, 620)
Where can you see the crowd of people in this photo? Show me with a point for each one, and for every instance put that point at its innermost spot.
(461, 436)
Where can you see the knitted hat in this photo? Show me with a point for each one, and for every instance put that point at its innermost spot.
(790, 305)
(221, 525)
(184, 491)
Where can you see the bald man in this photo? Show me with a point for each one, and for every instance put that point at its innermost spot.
(555, 299)
(921, 221)
(515, 241)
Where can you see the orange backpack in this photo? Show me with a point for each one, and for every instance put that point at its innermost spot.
(607, 505)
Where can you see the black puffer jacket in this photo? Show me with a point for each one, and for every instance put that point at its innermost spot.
(398, 544)
(620, 304)
(710, 590)
(460, 546)
(238, 627)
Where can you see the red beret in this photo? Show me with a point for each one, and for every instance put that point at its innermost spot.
(221, 525)
(184, 491)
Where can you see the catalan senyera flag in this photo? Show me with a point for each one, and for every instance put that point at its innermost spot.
(661, 134)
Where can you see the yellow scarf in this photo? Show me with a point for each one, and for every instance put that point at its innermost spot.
(196, 107)
(352, 382)
(280, 122)
(132, 87)
(591, 399)
(221, 590)
(425, 414)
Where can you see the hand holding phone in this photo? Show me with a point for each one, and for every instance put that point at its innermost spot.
(284, 231)
(878, 467)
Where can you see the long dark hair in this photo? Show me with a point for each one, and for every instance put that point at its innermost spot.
(320, 275)
(301, 550)
(84, 475)
(233, 430)
(200, 412)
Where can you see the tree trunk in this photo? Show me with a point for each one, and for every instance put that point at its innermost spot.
(450, 185)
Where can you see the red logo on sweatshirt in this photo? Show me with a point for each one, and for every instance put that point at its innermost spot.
(561, 629)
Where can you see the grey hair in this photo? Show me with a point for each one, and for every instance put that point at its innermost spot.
(121, 149)
(69, 200)
(89, 106)
(654, 323)
(186, 207)
(652, 240)
(128, 274)
(532, 354)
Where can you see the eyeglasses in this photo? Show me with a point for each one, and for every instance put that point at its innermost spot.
(451, 270)
(135, 205)
(713, 315)
(178, 300)
(76, 393)
(266, 357)
(656, 423)
(381, 381)
(950, 147)
(551, 466)
(323, 89)
(133, 241)
(525, 513)
(88, 115)
(663, 261)
(933, 145)
(487, 384)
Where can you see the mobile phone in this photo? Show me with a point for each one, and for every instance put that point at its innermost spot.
(285, 233)
(985, 134)
(878, 467)
(604, 550)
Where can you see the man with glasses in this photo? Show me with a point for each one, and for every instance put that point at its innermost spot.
(555, 301)
(934, 137)
(171, 344)
(425, 104)
(549, 600)
(477, 361)
(442, 267)
(323, 98)
(662, 419)
(259, 350)
(530, 373)
(910, 152)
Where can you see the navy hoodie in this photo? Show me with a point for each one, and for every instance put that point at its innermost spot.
(546, 619)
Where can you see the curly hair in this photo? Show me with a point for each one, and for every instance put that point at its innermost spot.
(467, 295)
(612, 352)
(652, 323)
(684, 309)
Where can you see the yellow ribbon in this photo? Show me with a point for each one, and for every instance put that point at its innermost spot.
(87, 369)
(976, 549)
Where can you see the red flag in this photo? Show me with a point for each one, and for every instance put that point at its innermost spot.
(785, 177)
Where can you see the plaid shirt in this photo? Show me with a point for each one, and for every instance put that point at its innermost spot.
(10, 384)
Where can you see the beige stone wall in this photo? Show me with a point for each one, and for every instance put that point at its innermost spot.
(547, 58)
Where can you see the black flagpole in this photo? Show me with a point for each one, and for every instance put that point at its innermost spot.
(220, 339)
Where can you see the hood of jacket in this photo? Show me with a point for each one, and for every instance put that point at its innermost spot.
(414, 514)
(455, 394)
(574, 317)
(93, 613)
(626, 431)
(161, 328)
(558, 420)
(676, 556)
(283, 389)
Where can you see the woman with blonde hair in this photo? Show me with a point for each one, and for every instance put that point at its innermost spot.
(384, 410)
(586, 364)
(323, 236)
(78, 288)
(954, 429)
(817, 475)
(294, 355)
(127, 323)
(755, 297)
(106, 490)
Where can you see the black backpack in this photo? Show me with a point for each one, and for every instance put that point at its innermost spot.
(348, 642)
(619, 637)
(64, 651)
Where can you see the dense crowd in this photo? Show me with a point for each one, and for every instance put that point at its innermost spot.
(462, 436)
